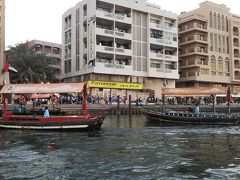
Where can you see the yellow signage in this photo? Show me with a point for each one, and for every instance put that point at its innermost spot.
(114, 85)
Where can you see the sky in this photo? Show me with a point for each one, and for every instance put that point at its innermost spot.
(42, 19)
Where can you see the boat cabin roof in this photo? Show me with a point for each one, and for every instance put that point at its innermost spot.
(42, 88)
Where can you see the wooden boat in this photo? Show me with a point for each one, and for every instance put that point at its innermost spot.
(187, 118)
(38, 122)
(190, 118)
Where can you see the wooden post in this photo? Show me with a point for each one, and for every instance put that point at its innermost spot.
(130, 105)
(4, 110)
(228, 100)
(118, 103)
(84, 103)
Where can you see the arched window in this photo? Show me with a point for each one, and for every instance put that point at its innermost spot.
(210, 19)
(236, 53)
(220, 63)
(227, 65)
(213, 63)
(236, 42)
(237, 75)
(236, 64)
(235, 31)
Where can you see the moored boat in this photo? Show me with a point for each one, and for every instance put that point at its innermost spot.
(38, 122)
(187, 118)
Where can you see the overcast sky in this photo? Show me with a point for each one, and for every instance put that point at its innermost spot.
(41, 19)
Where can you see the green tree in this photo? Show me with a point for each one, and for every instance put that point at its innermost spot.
(32, 67)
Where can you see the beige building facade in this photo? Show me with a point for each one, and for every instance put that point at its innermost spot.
(51, 50)
(2, 39)
(209, 46)
(120, 41)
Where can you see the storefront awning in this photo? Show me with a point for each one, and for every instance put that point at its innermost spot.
(42, 88)
(187, 92)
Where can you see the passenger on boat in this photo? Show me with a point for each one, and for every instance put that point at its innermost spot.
(197, 109)
(46, 112)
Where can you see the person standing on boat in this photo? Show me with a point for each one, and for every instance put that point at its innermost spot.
(46, 112)
(197, 109)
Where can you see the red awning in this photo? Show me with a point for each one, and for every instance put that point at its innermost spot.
(201, 91)
(42, 88)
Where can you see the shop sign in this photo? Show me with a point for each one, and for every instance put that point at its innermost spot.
(115, 85)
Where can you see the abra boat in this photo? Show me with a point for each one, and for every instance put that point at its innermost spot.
(187, 118)
(38, 122)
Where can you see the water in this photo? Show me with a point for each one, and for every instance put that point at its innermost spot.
(122, 149)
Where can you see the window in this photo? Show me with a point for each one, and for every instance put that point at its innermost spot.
(223, 23)
(211, 19)
(215, 21)
(219, 22)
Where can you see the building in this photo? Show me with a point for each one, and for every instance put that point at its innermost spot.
(209, 47)
(2, 39)
(122, 41)
(52, 50)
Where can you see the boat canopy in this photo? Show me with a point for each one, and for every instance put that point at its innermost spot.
(190, 92)
(41, 96)
(42, 88)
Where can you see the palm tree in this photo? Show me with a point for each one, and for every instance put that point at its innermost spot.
(31, 66)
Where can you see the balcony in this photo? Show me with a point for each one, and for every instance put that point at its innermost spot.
(104, 14)
(104, 49)
(163, 42)
(104, 32)
(53, 55)
(194, 39)
(193, 27)
(171, 58)
(194, 63)
(122, 51)
(107, 32)
(197, 76)
(162, 26)
(123, 35)
(194, 51)
(123, 18)
(112, 68)
(161, 56)
(56, 66)
(161, 73)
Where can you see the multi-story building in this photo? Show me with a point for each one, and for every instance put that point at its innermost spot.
(120, 41)
(52, 50)
(2, 39)
(209, 48)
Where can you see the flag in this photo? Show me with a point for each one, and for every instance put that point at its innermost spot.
(12, 69)
(8, 67)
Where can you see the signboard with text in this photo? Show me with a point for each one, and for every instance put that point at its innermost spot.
(115, 85)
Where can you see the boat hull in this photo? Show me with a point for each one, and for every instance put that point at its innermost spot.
(52, 123)
(184, 118)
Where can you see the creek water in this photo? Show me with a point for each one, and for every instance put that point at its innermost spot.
(125, 148)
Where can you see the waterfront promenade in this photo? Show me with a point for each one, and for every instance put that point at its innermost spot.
(76, 109)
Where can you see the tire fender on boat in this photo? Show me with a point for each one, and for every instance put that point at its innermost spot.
(21, 99)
